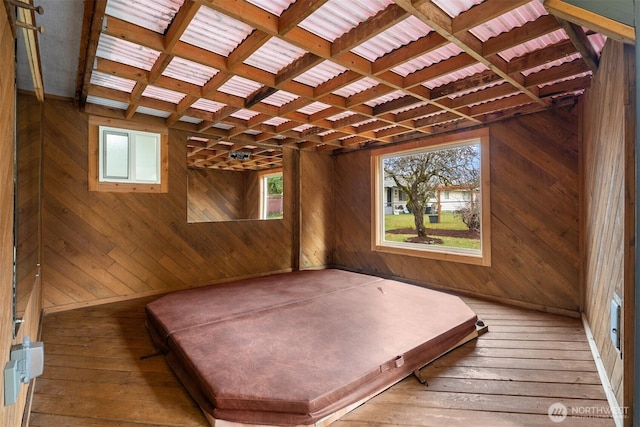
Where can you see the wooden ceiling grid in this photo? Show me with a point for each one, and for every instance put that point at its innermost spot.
(324, 96)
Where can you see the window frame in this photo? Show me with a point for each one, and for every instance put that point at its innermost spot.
(263, 175)
(378, 244)
(129, 127)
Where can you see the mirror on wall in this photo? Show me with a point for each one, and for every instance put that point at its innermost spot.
(227, 182)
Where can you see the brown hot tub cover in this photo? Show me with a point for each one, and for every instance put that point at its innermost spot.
(293, 348)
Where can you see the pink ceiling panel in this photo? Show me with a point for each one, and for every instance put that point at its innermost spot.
(126, 52)
(302, 128)
(163, 94)
(207, 105)
(476, 89)
(107, 102)
(428, 59)
(404, 32)
(456, 7)
(586, 73)
(533, 45)
(153, 15)
(274, 55)
(365, 122)
(340, 116)
(485, 101)
(244, 114)
(215, 32)
(321, 73)
(272, 6)
(357, 87)
(551, 64)
(597, 41)
(515, 18)
(239, 86)
(313, 108)
(153, 112)
(276, 121)
(188, 71)
(411, 107)
(112, 82)
(385, 98)
(457, 75)
(280, 98)
(337, 17)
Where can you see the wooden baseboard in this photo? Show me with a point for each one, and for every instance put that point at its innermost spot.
(616, 410)
(461, 292)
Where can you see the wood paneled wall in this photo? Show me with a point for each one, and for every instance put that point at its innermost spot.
(100, 246)
(317, 210)
(534, 219)
(28, 198)
(608, 139)
(11, 415)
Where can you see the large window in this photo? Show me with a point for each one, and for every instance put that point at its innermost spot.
(445, 213)
(127, 156)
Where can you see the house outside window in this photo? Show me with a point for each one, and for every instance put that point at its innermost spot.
(454, 228)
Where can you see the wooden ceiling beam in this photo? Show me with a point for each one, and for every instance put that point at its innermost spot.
(581, 43)
(476, 80)
(541, 56)
(428, 14)
(566, 86)
(296, 13)
(368, 29)
(423, 45)
(577, 66)
(529, 31)
(500, 104)
(439, 69)
(255, 17)
(30, 36)
(94, 13)
(601, 24)
(297, 67)
(483, 12)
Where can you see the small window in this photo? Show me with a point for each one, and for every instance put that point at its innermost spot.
(127, 156)
(271, 196)
(458, 230)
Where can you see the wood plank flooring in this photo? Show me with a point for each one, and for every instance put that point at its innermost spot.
(510, 376)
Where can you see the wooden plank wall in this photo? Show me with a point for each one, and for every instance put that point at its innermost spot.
(317, 210)
(28, 198)
(100, 247)
(11, 415)
(534, 219)
(606, 174)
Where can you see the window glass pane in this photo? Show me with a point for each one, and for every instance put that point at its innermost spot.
(116, 155)
(146, 155)
(273, 188)
(440, 189)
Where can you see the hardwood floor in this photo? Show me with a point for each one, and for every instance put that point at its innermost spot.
(510, 376)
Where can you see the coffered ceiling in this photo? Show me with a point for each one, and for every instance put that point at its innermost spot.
(327, 75)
